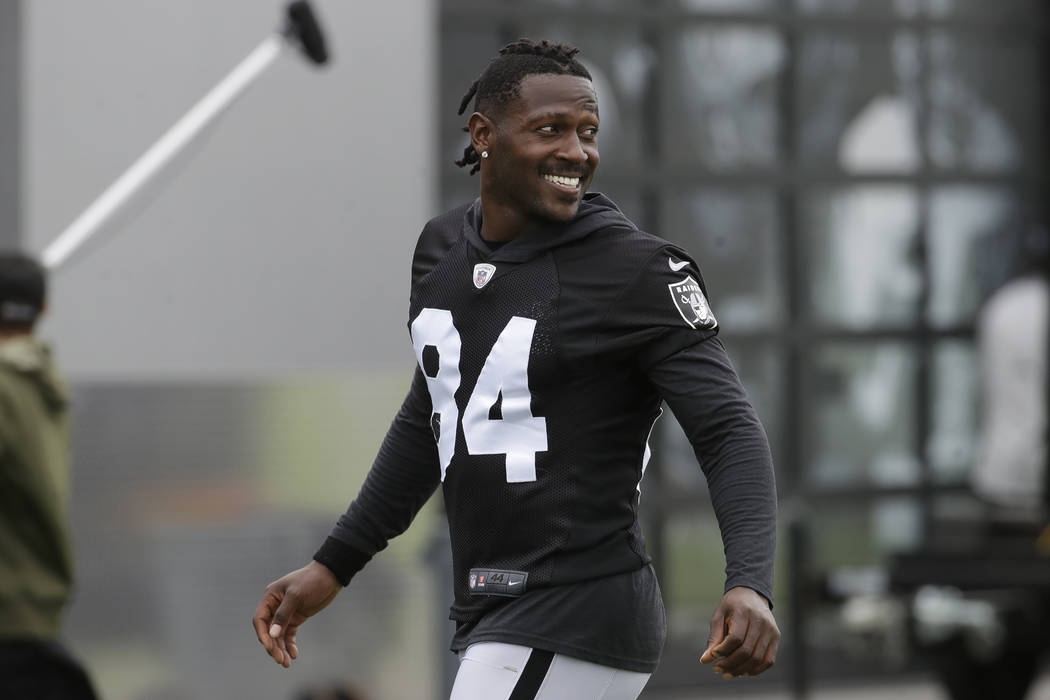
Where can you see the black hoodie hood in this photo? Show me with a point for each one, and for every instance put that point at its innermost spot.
(596, 212)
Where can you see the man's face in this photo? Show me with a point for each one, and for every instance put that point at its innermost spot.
(544, 149)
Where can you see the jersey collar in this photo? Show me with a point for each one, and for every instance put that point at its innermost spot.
(595, 213)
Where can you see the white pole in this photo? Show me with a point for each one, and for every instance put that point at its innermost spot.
(160, 153)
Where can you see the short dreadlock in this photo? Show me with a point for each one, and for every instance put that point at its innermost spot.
(501, 80)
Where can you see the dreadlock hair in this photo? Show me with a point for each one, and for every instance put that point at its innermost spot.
(500, 82)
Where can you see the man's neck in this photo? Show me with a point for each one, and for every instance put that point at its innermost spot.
(500, 222)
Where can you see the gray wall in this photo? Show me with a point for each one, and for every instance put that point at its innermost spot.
(283, 244)
(10, 124)
(240, 340)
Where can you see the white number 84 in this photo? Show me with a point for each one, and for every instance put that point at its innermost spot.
(519, 435)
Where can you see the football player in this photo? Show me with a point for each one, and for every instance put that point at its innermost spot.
(549, 331)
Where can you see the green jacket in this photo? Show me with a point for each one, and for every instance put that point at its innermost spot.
(36, 558)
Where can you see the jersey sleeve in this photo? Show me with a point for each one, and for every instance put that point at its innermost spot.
(703, 391)
(663, 308)
(403, 476)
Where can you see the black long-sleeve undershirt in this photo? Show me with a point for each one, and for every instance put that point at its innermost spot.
(705, 394)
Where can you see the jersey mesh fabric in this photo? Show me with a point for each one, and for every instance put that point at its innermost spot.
(598, 299)
(499, 524)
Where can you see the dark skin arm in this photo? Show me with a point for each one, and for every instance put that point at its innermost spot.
(287, 603)
(744, 636)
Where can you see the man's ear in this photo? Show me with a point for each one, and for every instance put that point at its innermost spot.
(481, 131)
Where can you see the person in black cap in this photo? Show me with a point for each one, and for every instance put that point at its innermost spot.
(36, 558)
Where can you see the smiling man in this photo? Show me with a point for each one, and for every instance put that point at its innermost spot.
(547, 141)
(549, 331)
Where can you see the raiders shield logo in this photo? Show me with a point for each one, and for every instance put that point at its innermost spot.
(689, 300)
(482, 274)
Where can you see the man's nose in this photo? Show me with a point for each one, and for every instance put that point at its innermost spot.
(572, 149)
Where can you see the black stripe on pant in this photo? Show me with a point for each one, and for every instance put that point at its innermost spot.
(532, 675)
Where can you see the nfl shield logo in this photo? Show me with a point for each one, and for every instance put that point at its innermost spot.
(691, 304)
(482, 274)
(473, 580)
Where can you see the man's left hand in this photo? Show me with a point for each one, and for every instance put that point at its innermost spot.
(744, 636)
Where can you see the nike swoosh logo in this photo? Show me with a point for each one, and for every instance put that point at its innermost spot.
(513, 583)
(676, 266)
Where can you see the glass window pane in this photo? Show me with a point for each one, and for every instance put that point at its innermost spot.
(462, 5)
(860, 256)
(858, 102)
(973, 237)
(727, 5)
(621, 65)
(850, 543)
(860, 535)
(458, 189)
(694, 560)
(862, 403)
(984, 113)
(572, 4)
(954, 428)
(624, 194)
(734, 235)
(860, 8)
(998, 10)
(720, 105)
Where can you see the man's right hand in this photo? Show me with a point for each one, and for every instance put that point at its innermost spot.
(287, 603)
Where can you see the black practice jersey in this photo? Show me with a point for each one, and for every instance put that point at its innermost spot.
(542, 365)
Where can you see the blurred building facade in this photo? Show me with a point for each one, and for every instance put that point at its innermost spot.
(851, 175)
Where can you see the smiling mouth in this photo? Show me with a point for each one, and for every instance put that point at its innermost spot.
(564, 182)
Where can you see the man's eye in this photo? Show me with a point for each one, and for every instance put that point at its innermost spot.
(548, 128)
(591, 132)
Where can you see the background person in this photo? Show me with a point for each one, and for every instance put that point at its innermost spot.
(36, 554)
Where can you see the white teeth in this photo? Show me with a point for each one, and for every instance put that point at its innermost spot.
(561, 180)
